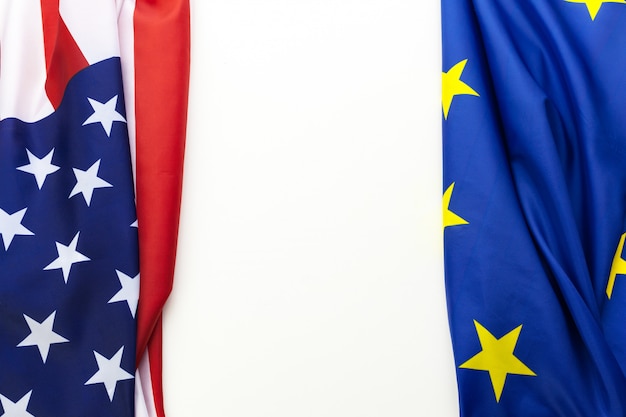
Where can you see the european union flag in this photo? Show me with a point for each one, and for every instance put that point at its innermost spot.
(534, 204)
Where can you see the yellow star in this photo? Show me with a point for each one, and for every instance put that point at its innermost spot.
(496, 357)
(617, 267)
(451, 85)
(450, 218)
(594, 5)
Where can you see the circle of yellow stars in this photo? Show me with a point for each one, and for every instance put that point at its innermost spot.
(496, 355)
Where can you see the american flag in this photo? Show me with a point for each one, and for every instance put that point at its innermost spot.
(91, 94)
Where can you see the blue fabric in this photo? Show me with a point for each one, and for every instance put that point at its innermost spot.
(538, 162)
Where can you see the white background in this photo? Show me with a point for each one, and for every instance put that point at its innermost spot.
(309, 278)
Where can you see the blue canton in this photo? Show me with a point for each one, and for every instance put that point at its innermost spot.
(69, 272)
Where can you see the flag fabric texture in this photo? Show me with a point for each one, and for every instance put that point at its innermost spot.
(534, 205)
(93, 101)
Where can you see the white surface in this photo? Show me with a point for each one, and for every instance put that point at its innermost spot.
(309, 278)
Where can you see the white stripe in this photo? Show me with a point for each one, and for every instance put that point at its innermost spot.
(22, 61)
(127, 56)
(93, 25)
(144, 397)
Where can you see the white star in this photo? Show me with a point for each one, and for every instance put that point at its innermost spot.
(129, 291)
(40, 168)
(41, 335)
(17, 409)
(87, 181)
(11, 225)
(105, 114)
(109, 372)
(68, 255)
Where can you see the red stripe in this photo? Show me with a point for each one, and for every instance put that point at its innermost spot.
(155, 351)
(161, 91)
(63, 56)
